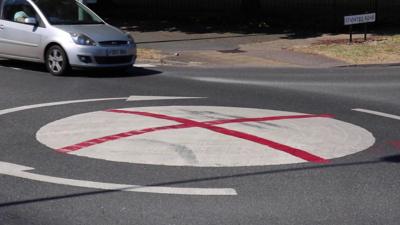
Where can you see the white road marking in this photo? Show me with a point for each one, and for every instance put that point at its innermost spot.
(15, 170)
(26, 107)
(142, 65)
(276, 83)
(20, 171)
(198, 147)
(147, 98)
(387, 115)
(131, 98)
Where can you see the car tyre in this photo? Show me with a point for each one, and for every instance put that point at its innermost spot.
(57, 61)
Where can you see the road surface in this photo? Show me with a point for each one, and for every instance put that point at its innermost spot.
(200, 146)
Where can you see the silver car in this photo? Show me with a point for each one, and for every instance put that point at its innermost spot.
(63, 34)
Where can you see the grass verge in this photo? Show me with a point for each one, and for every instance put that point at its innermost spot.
(146, 55)
(376, 50)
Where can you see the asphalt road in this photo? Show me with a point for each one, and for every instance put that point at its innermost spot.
(360, 188)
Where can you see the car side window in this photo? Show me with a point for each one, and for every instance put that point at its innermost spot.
(18, 11)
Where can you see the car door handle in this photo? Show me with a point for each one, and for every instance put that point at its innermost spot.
(1, 26)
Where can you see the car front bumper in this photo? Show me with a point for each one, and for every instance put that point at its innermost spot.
(101, 57)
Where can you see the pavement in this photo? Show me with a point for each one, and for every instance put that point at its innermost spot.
(229, 49)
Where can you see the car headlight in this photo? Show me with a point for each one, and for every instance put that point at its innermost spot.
(131, 41)
(81, 39)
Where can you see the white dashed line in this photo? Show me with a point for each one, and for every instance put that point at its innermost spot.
(387, 115)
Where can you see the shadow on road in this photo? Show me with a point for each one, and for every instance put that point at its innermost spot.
(388, 159)
(37, 67)
(110, 73)
(96, 73)
(393, 159)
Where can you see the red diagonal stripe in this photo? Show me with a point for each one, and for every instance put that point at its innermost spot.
(277, 146)
(114, 137)
(185, 123)
(284, 148)
(218, 122)
(158, 116)
(270, 118)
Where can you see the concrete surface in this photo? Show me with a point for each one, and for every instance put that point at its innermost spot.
(230, 49)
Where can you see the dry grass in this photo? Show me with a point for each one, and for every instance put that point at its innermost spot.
(149, 55)
(377, 50)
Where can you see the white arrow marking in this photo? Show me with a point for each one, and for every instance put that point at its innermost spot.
(147, 98)
(378, 113)
(20, 171)
(131, 98)
(21, 108)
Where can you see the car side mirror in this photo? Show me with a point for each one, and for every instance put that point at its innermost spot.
(31, 21)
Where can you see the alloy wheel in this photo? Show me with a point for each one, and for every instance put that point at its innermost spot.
(55, 61)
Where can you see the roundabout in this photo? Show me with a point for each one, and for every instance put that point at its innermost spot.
(205, 136)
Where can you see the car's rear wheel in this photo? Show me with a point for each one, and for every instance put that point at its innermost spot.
(57, 61)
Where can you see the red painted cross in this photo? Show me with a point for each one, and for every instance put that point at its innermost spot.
(209, 125)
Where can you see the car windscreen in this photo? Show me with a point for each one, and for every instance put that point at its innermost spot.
(66, 12)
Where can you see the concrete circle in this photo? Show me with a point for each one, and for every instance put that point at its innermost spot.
(149, 138)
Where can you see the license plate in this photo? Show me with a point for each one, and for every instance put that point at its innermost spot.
(116, 52)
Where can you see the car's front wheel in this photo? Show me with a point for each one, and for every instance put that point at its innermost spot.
(56, 61)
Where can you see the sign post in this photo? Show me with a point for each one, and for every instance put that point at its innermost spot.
(359, 19)
(351, 33)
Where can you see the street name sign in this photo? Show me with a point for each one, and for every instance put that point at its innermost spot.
(359, 19)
